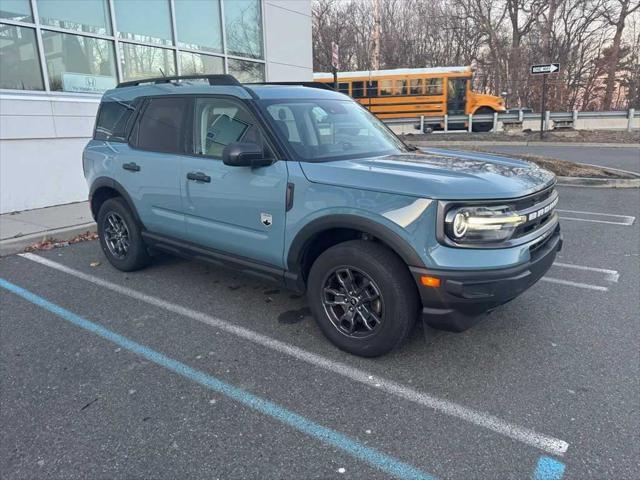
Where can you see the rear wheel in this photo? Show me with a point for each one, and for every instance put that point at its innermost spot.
(120, 236)
(362, 297)
(483, 126)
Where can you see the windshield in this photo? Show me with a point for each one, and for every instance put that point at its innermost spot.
(322, 130)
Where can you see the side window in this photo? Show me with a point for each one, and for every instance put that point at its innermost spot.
(400, 87)
(358, 90)
(219, 122)
(285, 121)
(386, 87)
(373, 88)
(161, 128)
(112, 121)
(415, 86)
(343, 87)
(434, 86)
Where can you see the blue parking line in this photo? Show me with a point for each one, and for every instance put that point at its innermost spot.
(548, 469)
(326, 435)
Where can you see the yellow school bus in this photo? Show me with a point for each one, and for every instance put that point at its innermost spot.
(413, 92)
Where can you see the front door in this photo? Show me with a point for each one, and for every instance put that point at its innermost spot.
(456, 96)
(151, 165)
(238, 210)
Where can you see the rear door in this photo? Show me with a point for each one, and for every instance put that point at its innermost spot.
(151, 165)
(237, 210)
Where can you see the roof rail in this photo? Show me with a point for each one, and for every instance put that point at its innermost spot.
(219, 79)
(320, 85)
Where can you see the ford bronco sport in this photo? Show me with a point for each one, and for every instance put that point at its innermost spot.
(300, 184)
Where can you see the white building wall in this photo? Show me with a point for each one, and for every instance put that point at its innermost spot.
(42, 134)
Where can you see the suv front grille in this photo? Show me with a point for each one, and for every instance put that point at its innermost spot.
(539, 210)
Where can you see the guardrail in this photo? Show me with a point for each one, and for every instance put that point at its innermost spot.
(565, 119)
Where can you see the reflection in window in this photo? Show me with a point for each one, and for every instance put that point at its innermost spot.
(434, 86)
(19, 65)
(79, 64)
(18, 10)
(372, 87)
(386, 87)
(198, 24)
(139, 61)
(358, 90)
(246, 72)
(194, 64)
(415, 86)
(400, 87)
(243, 26)
(144, 20)
(86, 16)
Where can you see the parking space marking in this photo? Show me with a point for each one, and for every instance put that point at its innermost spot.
(610, 275)
(521, 434)
(588, 286)
(326, 435)
(548, 469)
(625, 220)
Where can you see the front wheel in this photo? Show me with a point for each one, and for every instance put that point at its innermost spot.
(362, 297)
(120, 236)
(484, 126)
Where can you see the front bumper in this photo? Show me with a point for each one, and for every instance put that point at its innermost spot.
(464, 296)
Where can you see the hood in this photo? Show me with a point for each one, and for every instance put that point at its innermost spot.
(436, 173)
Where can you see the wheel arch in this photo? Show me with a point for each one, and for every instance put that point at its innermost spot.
(104, 188)
(327, 231)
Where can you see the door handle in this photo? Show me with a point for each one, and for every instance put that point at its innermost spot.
(131, 166)
(198, 177)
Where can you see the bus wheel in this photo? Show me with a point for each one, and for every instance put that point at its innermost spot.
(483, 126)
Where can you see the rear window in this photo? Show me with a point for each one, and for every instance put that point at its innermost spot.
(161, 127)
(113, 119)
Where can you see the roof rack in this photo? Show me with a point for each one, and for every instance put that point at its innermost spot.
(219, 79)
(320, 85)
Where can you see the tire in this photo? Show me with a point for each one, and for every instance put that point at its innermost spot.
(136, 255)
(396, 309)
(483, 127)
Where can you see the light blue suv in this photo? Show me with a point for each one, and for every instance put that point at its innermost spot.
(302, 185)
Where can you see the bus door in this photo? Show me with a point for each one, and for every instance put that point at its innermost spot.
(456, 96)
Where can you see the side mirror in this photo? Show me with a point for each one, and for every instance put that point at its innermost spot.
(245, 155)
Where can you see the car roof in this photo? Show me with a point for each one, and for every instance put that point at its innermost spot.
(247, 91)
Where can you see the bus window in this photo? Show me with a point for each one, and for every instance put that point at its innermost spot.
(357, 90)
(400, 87)
(373, 88)
(415, 86)
(434, 86)
(386, 87)
(343, 87)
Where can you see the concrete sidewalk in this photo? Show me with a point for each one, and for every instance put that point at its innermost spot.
(62, 222)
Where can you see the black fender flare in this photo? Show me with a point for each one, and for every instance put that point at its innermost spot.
(106, 182)
(399, 245)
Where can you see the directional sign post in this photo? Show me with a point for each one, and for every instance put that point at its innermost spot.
(545, 70)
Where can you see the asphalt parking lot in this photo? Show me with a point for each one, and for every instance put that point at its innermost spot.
(186, 371)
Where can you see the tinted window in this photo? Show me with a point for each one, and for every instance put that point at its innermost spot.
(343, 87)
(219, 122)
(373, 88)
(113, 118)
(161, 126)
(358, 90)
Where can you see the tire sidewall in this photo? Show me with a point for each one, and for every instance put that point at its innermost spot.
(136, 255)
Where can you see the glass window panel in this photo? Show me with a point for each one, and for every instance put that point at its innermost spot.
(434, 86)
(79, 64)
(139, 61)
(194, 64)
(246, 72)
(162, 123)
(19, 64)
(90, 16)
(372, 88)
(243, 27)
(343, 87)
(144, 20)
(18, 10)
(400, 87)
(415, 86)
(358, 89)
(113, 119)
(385, 87)
(198, 24)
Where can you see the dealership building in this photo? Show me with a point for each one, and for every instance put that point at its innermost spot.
(58, 56)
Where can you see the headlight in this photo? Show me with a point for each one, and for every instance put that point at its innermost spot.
(482, 224)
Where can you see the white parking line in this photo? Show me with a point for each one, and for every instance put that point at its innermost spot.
(478, 418)
(626, 220)
(610, 275)
(575, 284)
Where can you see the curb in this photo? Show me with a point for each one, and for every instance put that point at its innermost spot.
(488, 143)
(11, 246)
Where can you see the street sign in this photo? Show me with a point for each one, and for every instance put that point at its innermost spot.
(547, 68)
(334, 55)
